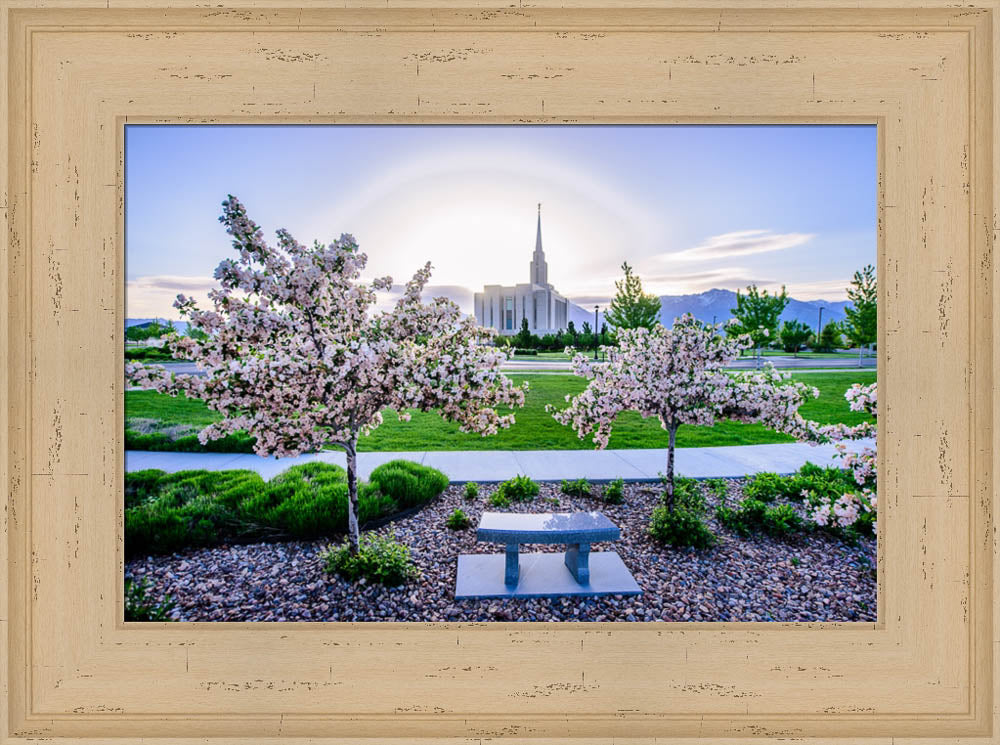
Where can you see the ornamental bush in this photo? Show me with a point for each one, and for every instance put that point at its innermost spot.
(471, 490)
(753, 515)
(614, 492)
(765, 486)
(499, 499)
(576, 487)
(518, 489)
(378, 559)
(167, 512)
(680, 527)
(410, 484)
(457, 520)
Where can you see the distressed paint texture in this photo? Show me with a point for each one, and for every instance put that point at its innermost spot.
(74, 75)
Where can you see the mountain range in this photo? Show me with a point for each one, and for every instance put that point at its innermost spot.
(711, 305)
(717, 305)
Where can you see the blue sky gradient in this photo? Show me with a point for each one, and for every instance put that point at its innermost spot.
(691, 207)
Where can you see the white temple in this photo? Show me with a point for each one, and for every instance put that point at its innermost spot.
(502, 308)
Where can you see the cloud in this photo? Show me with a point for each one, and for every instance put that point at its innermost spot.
(686, 283)
(585, 300)
(740, 243)
(830, 289)
(461, 296)
(153, 296)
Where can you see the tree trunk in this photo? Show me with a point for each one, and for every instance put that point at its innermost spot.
(670, 466)
(353, 529)
(861, 351)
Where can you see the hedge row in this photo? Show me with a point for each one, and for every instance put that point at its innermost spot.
(238, 442)
(167, 512)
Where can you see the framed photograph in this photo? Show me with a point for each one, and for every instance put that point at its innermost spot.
(450, 374)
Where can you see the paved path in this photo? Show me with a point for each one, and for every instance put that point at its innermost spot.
(541, 465)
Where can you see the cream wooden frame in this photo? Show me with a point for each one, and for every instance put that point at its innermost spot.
(75, 72)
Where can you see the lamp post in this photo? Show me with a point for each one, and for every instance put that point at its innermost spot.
(596, 333)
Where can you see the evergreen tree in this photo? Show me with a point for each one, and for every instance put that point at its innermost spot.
(586, 328)
(524, 337)
(861, 324)
(631, 308)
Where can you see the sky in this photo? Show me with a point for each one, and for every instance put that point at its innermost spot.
(690, 207)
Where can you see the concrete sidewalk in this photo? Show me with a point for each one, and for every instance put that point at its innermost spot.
(541, 465)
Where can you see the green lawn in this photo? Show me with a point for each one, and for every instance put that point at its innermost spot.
(537, 430)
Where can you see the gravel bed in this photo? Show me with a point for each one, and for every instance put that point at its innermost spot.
(810, 577)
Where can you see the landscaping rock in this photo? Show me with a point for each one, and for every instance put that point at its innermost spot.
(740, 579)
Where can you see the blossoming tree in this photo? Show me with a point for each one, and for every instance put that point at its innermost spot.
(678, 376)
(296, 354)
(860, 505)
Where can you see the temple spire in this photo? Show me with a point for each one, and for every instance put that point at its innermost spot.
(539, 267)
(538, 237)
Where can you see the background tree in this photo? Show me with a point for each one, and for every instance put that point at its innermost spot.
(679, 376)
(631, 308)
(524, 338)
(297, 356)
(586, 329)
(757, 314)
(829, 338)
(861, 324)
(152, 330)
(574, 335)
(794, 335)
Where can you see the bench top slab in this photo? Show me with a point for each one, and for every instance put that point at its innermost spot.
(546, 527)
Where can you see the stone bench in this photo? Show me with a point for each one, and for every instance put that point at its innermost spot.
(601, 573)
(578, 529)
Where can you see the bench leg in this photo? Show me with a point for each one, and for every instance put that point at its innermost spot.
(578, 562)
(511, 570)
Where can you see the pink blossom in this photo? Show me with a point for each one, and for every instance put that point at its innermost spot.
(297, 356)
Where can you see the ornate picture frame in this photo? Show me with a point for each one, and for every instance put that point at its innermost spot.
(75, 73)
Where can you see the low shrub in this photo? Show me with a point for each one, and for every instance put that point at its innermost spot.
(687, 495)
(680, 527)
(718, 487)
(471, 490)
(499, 499)
(829, 482)
(766, 487)
(457, 520)
(141, 485)
(237, 442)
(379, 559)
(576, 488)
(410, 484)
(140, 607)
(614, 492)
(148, 354)
(518, 489)
(782, 520)
(755, 516)
(167, 512)
(526, 352)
